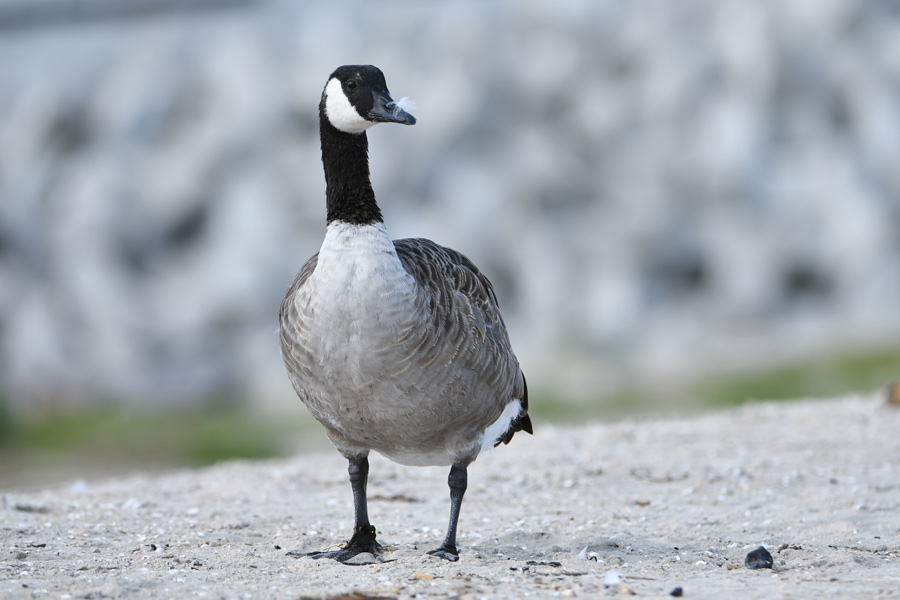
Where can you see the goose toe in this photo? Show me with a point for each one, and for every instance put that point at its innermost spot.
(446, 552)
(362, 549)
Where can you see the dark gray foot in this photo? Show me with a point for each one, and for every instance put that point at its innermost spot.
(446, 552)
(362, 549)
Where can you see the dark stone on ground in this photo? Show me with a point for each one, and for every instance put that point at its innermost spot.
(759, 559)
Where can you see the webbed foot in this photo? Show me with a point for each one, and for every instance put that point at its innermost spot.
(362, 549)
(446, 552)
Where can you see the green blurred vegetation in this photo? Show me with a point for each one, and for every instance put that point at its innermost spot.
(861, 372)
(6, 419)
(815, 378)
(97, 442)
(113, 441)
(194, 438)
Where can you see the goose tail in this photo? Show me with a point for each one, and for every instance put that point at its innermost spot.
(521, 422)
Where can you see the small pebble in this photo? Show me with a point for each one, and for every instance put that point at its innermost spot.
(677, 592)
(32, 508)
(759, 559)
(552, 563)
(612, 578)
(893, 394)
(79, 487)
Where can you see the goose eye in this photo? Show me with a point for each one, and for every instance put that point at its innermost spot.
(351, 85)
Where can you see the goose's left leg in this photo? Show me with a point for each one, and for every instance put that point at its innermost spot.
(457, 480)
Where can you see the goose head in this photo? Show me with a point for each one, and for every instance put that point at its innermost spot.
(356, 97)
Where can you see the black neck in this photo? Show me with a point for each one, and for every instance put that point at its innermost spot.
(348, 191)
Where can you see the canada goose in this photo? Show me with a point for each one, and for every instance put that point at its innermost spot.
(393, 346)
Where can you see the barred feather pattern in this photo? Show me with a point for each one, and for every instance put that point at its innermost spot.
(400, 349)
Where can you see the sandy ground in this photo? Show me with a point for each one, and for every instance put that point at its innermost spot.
(656, 505)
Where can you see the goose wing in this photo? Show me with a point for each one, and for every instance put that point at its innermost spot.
(296, 357)
(464, 325)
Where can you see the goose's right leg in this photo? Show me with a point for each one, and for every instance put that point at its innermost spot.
(363, 539)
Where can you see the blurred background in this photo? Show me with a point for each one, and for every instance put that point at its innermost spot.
(681, 205)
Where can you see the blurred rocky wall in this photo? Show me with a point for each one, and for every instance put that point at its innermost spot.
(657, 189)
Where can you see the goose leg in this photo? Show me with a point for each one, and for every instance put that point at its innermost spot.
(457, 480)
(363, 539)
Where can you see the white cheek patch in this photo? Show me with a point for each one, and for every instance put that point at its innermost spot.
(340, 112)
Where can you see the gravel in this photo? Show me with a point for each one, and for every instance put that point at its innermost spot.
(661, 504)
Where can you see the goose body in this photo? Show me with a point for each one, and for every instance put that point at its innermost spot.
(393, 346)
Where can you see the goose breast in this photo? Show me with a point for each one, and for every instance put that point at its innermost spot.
(398, 347)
